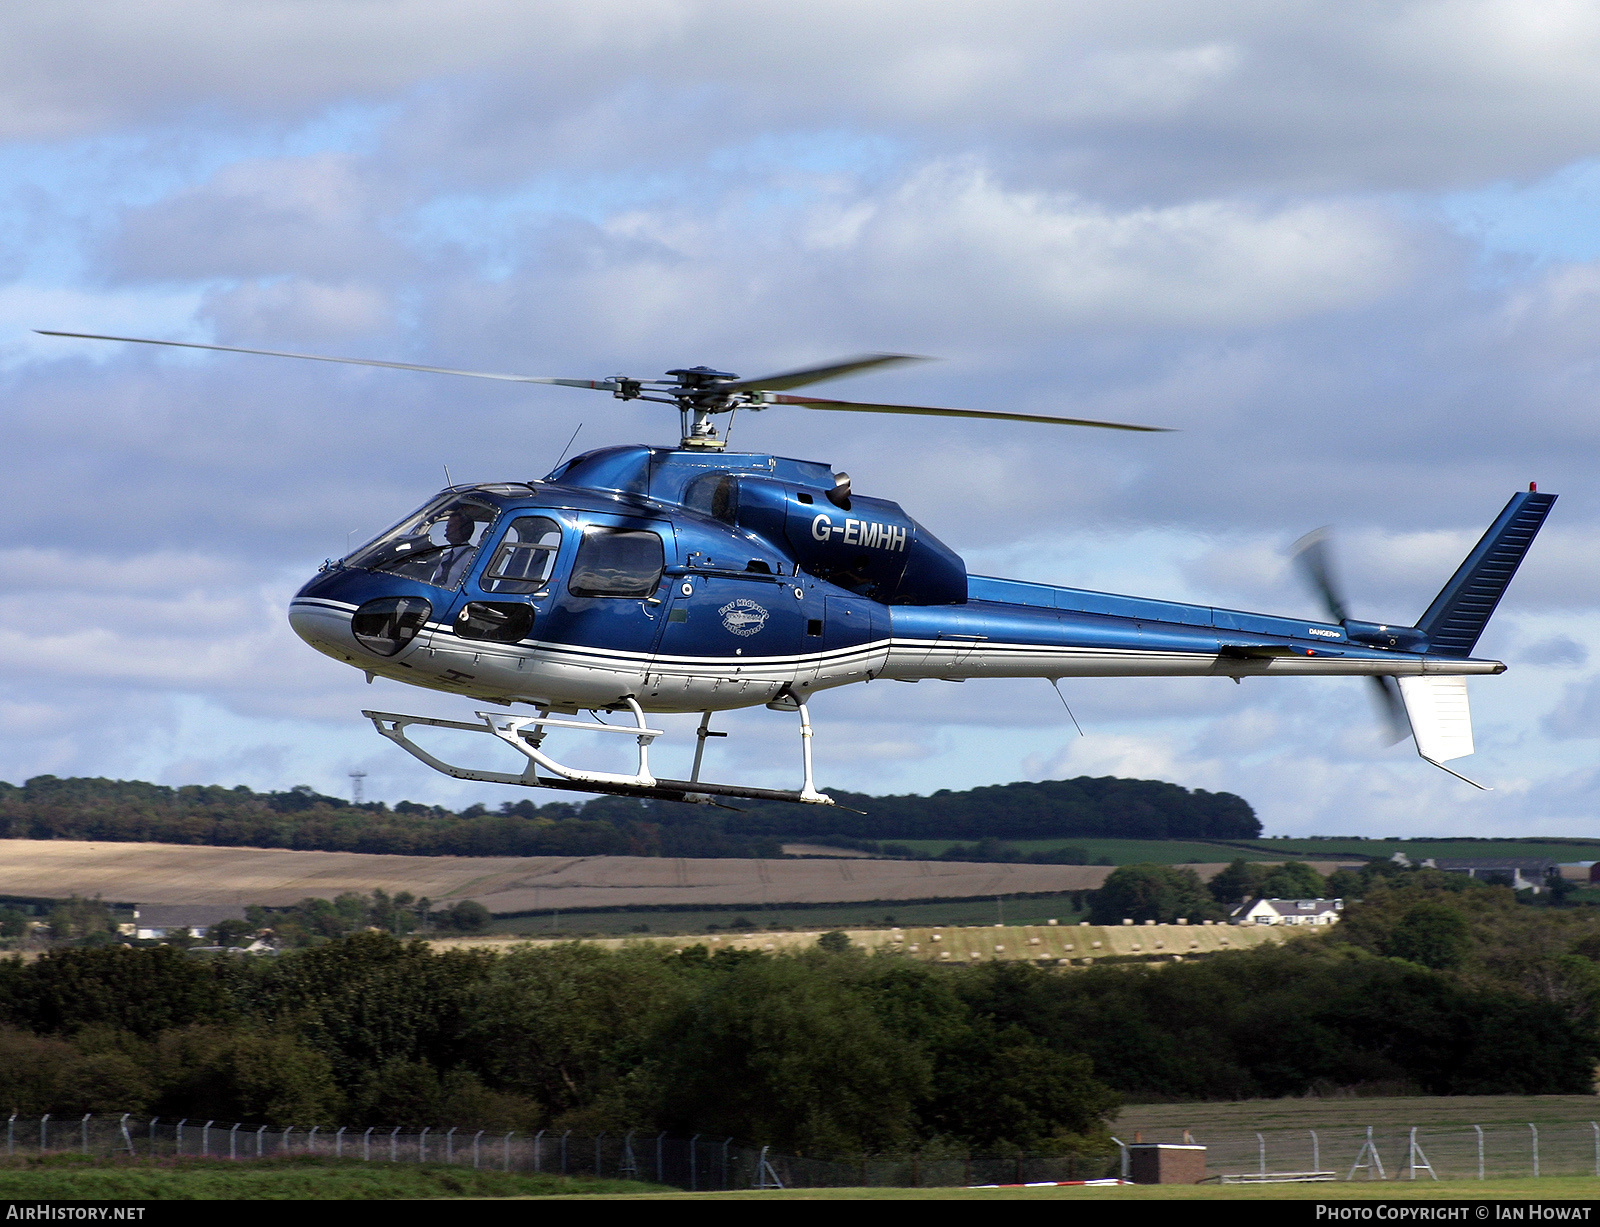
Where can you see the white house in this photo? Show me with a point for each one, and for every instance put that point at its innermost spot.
(1287, 912)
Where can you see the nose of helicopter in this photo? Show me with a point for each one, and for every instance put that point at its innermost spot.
(342, 616)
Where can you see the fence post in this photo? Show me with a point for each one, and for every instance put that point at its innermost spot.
(538, 1151)
(311, 1140)
(450, 1144)
(508, 1149)
(422, 1144)
(338, 1142)
(597, 1142)
(475, 1138)
(693, 1175)
(1535, 1129)
(233, 1141)
(261, 1135)
(1596, 1128)
(153, 1121)
(283, 1144)
(11, 1134)
(366, 1144)
(564, 1138)
(726, 1142)
(661, 1177)
(126, 1136)
(205, 1139)
(394, 1145)
(1479, 1128)
(83, 1127)
(1316, 1152)
(44, 1132)
(1121, 1145)
(177, 1142)
(1261, 1147)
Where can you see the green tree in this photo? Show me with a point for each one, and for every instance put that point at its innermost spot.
(789, 1052)
(835, 941)
(1162, 893)
(1293, 880)
(1433, 934)
(229, 1073)
(1241, 880)
(228, 932)
(467, 916)
(575, 1027)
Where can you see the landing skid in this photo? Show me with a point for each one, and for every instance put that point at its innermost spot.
(526, 735)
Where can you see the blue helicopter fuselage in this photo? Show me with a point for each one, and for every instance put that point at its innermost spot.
(702, 581)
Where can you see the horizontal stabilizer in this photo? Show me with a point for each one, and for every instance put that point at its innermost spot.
(1441, 719)
(1459, 613)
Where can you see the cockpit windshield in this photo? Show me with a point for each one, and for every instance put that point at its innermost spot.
(436, 545)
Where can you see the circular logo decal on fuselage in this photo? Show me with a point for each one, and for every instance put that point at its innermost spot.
(743, 617)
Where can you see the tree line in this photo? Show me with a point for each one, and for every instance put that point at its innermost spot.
(47, 807)
(1431, 984)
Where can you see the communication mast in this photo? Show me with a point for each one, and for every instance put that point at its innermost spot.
(356, 791)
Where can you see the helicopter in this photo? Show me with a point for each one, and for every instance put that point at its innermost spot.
(638, 579)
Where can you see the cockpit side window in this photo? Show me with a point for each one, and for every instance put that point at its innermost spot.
(525, 557)
(436, 545)
(715, 495)
(617, 562)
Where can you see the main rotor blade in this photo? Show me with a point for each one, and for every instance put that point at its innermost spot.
(850, 406)
(816, 374)
(1315, 559)
(604, 385)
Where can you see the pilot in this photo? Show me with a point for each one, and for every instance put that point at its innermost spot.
(457, 557)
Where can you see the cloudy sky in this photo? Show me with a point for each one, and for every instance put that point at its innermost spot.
(1351, 251)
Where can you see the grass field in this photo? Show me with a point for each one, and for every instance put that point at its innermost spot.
(1119, 851)
(72, 1178)
(1417, 849)
(1555, 1188)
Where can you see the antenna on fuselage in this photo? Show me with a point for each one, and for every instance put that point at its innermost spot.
(566, 449)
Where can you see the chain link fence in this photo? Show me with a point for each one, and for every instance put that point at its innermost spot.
(694, 1163)
(708, 1163)
(1388, 1152)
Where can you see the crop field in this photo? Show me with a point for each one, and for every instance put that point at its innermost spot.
(193, 874)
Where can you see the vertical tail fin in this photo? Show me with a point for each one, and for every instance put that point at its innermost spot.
(1459, 613)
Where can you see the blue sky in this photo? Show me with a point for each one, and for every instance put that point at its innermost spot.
(1350, 251)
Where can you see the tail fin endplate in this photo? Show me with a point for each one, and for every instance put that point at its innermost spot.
(1462, 609)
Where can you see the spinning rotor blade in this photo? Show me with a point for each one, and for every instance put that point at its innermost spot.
(816, 374)
(604, 385)
(850, 406)
(1314, 556)
(1392, 708)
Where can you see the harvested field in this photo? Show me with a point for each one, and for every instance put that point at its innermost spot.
(190, 874)
(1076, 945)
